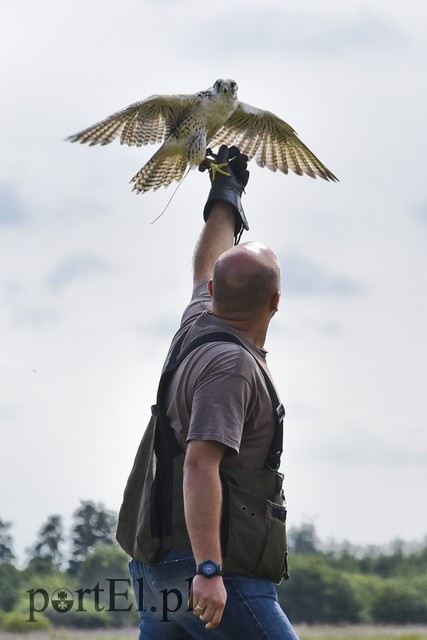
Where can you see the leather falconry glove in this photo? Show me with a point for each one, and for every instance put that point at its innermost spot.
(229, 176)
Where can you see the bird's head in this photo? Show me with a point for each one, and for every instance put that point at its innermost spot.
(225, 86)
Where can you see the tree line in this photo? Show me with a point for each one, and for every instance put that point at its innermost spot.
(332, 584)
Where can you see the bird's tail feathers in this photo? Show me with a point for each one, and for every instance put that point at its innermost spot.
(159, 171)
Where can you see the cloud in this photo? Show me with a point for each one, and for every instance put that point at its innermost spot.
(161, 327)
(303, 31)
(419, 213)
(13, 211)
(368, 448)
(75, 267)
(25, 306)
(303, 277)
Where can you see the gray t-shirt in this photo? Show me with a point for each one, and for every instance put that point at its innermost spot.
(218, 392)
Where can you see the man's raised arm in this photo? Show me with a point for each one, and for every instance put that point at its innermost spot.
(223, 212)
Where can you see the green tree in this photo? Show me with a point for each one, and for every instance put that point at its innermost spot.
(10, 585)
(401, 601)
(107, 567)
(103, 562)
(93, 524)
(303, 539)
(317, 593)
(6, 543)
(47, 548)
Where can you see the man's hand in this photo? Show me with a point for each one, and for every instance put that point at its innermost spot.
(207, 599)
(229, 176)
(226, 159)
(238, 164)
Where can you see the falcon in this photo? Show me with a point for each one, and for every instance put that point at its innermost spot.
(187, 124)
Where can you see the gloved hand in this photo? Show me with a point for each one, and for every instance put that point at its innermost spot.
(228, 188)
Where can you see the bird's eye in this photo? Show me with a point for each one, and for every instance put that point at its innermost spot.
(217, 85)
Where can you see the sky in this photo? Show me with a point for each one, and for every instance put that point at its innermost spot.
(91, 291)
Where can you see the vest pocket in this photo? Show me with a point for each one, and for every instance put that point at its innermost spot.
(275, 563)
(254, 530)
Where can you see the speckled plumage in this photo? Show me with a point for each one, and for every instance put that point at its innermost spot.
(187, 124)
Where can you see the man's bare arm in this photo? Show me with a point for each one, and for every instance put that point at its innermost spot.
(217, 236)
(203, 505)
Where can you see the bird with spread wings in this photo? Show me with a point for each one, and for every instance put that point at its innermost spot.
(188, 124)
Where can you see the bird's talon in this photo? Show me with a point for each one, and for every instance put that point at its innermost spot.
(217, 168)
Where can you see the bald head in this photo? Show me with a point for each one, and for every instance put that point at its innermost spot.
(245, 280)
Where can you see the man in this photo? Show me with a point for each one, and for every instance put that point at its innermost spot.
(220, 410)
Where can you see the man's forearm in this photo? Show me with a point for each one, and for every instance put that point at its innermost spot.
(203, 499)
(217, 236)
(202, 502)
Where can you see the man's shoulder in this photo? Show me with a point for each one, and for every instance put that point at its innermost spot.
(200, 302)
(220, 348)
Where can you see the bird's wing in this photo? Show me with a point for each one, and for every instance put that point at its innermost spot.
(272, 142)
(146, 122)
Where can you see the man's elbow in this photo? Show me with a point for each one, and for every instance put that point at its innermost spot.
(203, 457)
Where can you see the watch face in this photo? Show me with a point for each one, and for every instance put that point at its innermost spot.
(209, 568)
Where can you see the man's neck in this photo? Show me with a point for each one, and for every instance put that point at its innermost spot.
(255, 332)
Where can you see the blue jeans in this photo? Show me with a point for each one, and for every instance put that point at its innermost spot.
(252, 611)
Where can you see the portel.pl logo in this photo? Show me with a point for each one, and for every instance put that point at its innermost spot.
(63, 600)
(116, 598)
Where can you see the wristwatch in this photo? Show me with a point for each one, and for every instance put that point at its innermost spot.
(209, 569)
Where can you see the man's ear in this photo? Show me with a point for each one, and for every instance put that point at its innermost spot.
(275, 300)
(210, 287)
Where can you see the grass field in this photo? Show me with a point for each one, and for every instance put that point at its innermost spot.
(362, 633)
(304, 632)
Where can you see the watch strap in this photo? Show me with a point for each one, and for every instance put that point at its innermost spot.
(209, 569)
